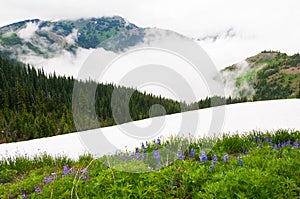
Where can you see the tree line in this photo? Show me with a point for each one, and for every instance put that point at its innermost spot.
(34, 104)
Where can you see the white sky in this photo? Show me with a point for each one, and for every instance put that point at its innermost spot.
(259, 25)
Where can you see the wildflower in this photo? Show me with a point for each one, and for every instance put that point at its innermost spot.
(288, 143)
(192, 153)
(258, 139)
(132, 156)
(275, 147)
(214, 159)
(147, 144)
(266, 139)
(158, 141)
(138, 156)
(24, 196)
(48, 180)
(71, 171)
(211, 167)
(240, 161)
(143, 146)
(296, 143)
(65, 170)
(278, 145)
(225, 158)
(37, 190)
(144, 153)
(271, 141)
(156, 155)
(203, 157)
(246, 152)
(180, 155)
(259, 145)
(84, 171)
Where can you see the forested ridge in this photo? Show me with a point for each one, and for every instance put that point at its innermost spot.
(34, 104)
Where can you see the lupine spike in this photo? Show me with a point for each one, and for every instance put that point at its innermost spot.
(158, 141)
(65, 170)
(240, 161)
(192, 153)
(214, 159)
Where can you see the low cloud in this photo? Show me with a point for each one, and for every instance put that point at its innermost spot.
(27, 32)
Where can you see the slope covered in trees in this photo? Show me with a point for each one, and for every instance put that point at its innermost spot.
(34, 105)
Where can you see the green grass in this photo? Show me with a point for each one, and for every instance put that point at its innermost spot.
(266, 172)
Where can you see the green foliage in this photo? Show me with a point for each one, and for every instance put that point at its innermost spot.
(265, 172)
(10, 40)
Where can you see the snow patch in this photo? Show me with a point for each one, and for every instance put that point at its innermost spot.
(72, 38)
(27, 32)
(239, 118)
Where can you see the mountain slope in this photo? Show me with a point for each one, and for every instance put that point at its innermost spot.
(47, 39)
(268, 75)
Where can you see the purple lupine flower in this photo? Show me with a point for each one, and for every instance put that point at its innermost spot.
(240, 161)
(279, 145)
(275, 147)
(84, 170)
(147, 144)
(180, 155)
(259, 145)
(203, 157)
(143, 146)
(48, 180)
(24, 196)
(258, 139)
(192, 153)
(132, 156)
(246, 152)
(296, 143)
(37, 190)
(156, 155)
(271, 141)
(266, 139)
(158, 141)
(214, 159)
(138, 156)
(65, 170)
(136, 150)
(71, 171)
(144, 153)
(211, 167)
(225, 158)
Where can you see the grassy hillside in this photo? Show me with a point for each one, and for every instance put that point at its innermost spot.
(268, 75)
(254, 165)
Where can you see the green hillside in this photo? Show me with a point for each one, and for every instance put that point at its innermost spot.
(268, 75)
